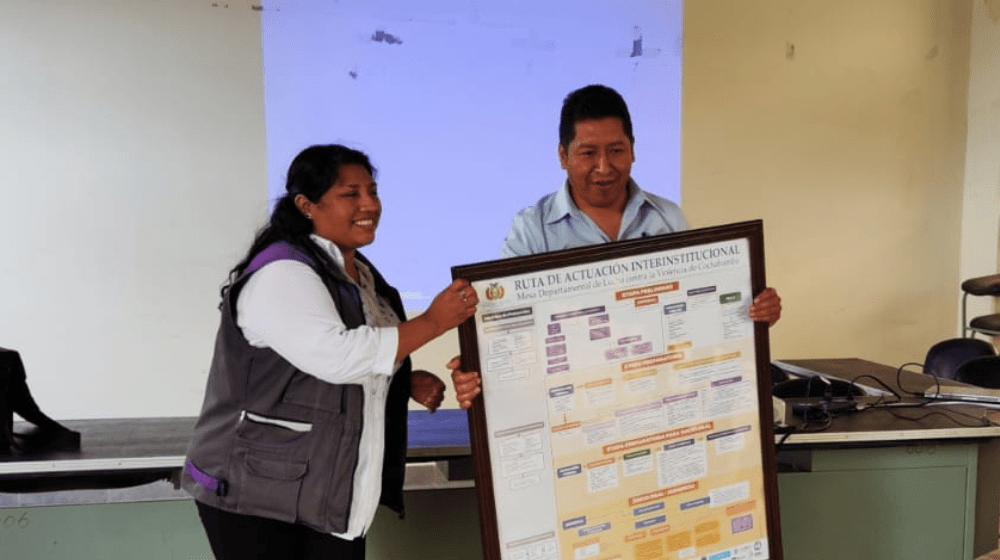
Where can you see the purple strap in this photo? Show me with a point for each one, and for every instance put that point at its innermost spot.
(276, 252)
(217, 485)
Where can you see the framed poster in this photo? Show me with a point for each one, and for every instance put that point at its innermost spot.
(626, 410)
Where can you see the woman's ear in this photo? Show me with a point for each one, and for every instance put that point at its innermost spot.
(303, 204)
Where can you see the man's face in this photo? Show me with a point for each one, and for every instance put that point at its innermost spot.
(597, 163)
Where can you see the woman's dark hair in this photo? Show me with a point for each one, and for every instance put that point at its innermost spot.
(590, 103)
(311, 174)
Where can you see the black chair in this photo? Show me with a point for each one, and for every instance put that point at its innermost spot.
(944, 358)
(985, 324)
(981, 372)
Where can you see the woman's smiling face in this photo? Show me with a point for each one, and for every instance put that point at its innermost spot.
(348, 213)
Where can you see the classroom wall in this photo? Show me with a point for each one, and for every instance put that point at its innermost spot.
(843, 126)
(981, 201)
(134, 177)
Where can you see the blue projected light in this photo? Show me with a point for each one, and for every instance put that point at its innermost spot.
(457, 104)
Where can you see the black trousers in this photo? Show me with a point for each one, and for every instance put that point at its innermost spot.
(234, 536)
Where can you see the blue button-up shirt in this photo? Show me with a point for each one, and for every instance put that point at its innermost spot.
(556, 222)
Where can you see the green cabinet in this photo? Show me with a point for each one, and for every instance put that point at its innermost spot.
(908, 502)
(439, 524)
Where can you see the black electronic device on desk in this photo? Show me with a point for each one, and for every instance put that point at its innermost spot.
(811, 395)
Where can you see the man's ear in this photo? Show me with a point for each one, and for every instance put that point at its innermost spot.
(563, 156)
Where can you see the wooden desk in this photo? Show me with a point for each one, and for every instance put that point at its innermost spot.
(128, 452)
(890, 483)
(948, 421)
(91, 512)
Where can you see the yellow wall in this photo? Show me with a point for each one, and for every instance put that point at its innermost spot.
(842, 125)
(981, 212)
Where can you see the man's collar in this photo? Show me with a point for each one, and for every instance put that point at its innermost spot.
(563, 205)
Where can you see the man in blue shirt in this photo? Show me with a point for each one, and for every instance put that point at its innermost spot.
(598, 203)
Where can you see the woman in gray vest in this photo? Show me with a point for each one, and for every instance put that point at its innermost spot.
(303, 429)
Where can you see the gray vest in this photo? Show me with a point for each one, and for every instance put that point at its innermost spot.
(301, 471)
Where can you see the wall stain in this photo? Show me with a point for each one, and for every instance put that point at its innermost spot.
(381, 36)
(637, 42)
(932, 54)
(993, 7)
(789, 50)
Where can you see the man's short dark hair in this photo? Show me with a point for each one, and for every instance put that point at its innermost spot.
(590, 103)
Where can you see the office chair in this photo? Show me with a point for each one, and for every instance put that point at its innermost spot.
(983, 371)
(944, 358)
(985, 324)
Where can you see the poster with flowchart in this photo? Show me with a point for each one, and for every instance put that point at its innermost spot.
(622, 415)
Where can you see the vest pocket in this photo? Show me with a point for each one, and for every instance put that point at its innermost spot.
(270, 464)
(308, 391)
(269, 487)
(256, 428)
(298, 471)
(325, 503)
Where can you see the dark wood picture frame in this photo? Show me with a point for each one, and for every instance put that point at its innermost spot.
(751, 231)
